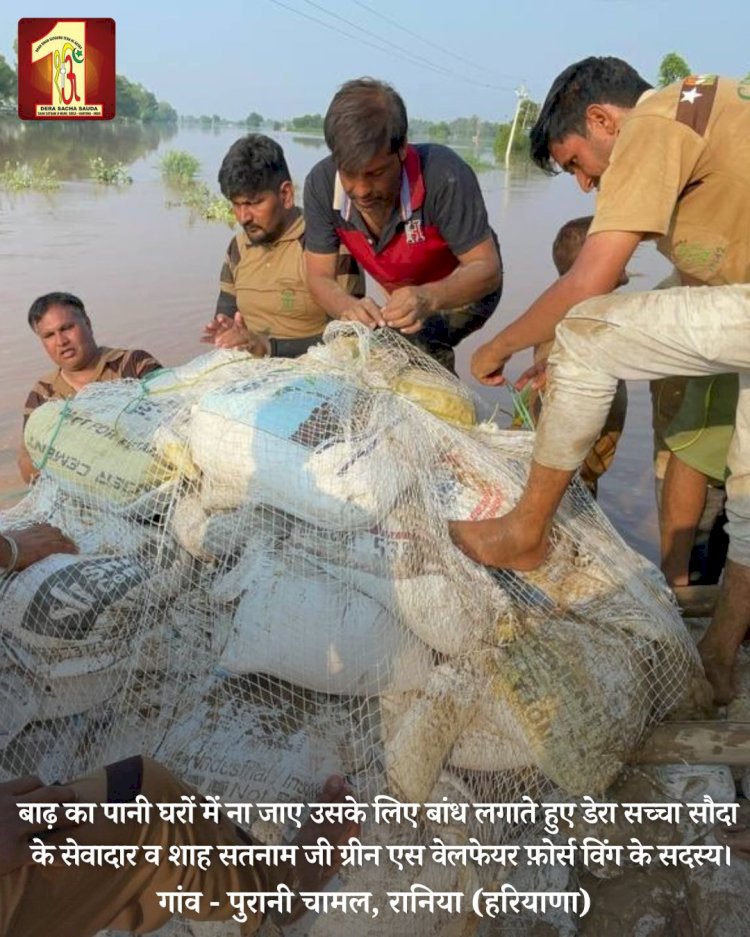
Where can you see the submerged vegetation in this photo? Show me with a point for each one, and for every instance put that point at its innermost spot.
(207, 205)
(179, 167)
(15, 177)
(179, 170)
(109, 173)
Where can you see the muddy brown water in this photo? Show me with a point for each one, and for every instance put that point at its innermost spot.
(148, 271)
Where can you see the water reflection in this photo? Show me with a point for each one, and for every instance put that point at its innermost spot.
(315, 142)
(70, 145)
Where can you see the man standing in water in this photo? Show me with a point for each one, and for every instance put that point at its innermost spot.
(62, 324)
(412, 216)
(265, 305)
(672, 164)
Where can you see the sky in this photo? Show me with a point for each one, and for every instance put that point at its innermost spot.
(448, 59)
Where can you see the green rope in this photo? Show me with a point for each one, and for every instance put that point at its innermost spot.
(60, 420)
(520, 405)
(694, 439)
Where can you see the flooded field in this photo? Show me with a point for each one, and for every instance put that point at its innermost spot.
(148, 271)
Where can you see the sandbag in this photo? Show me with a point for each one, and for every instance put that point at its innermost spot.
(288, 441)
(304, 625)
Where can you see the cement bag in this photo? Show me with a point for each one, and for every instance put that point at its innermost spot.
(461, 493)
(67, 625)
(210, 536)
(254, 742)
(215, 368)
(492, 741)
(303, 625)
(400, 564)
(581, 696)
(279, 440)
(100, 443)
(418, 738)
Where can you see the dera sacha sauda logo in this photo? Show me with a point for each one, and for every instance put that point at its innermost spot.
(66, 69)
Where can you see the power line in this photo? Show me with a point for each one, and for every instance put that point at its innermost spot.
(412, 56)
(429, 42)
(388, 49)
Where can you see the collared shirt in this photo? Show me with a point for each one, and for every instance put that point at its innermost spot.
(114, 364)
(680, 170)
(440, 215)
(266, 284)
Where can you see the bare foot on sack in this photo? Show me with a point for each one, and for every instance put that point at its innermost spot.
(501, 542)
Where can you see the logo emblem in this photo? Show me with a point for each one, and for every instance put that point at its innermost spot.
(66, 69)
(414, 232)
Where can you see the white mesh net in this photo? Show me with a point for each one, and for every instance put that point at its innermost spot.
(266, 592)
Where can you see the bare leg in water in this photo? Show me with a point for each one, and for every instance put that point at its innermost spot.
(719, 645)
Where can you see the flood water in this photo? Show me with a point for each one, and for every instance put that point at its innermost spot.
(148, 272)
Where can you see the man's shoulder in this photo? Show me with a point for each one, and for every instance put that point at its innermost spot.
(322, 176)
(440, 165)
(126, 362)
(437, 158)
(46, 386)
(657, 102)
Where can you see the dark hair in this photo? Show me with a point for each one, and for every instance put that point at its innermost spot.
(365, 117)
(253, 164)
(44, 303)
(568, 242)
(595, 80)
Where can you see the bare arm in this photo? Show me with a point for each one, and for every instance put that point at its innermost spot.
(320, 272)
(596, 271)
(478, 273)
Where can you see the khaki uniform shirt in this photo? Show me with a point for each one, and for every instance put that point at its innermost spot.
(680, 170)
(266, 283)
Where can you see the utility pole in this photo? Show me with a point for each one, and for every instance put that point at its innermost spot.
(521, 95)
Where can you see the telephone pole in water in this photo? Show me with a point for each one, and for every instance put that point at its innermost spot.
(521, 96)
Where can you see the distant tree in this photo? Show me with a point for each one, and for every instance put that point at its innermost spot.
(8, 83)
(127, 101)
(253, 120)
(165, 113)
(135, 102)
(440, 132)
(673, 67)
(307, 122)
(278, 125)
(527, 114)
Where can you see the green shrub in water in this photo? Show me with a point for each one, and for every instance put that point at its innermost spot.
(200, 200)
(15, 177)
(179, 167)
(109, 173)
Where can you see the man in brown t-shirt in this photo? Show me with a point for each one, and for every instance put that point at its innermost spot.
(671, 164)
(264, 304)
(64, 329)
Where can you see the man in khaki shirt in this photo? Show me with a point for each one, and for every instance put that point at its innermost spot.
(62, 324)
(675, 165)
(264, 304)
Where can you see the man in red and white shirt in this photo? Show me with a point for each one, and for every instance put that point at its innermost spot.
(412, 216)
